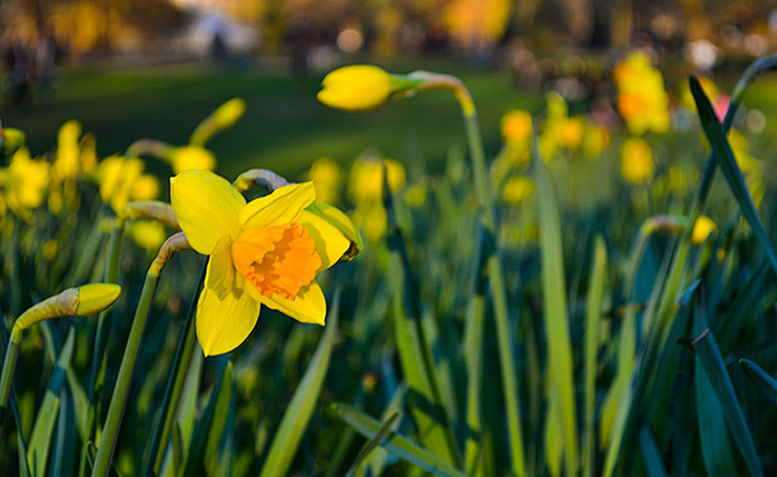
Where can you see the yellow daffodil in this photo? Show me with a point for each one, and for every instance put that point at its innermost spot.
(517, 189)
(25, 182)
(550, 137)
(185, 158)
(122, 179)
(372, 219)
(148, 234)
(12, 140)
(702, 228)
(637, 161)
(597, 140)
(224, 117)
(516, 125)
(362, 87)
(571, 132)
(66, 163)
(266, 252)
(327, 178)
(642, 99)
(366, 179)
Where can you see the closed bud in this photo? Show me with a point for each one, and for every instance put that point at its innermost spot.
(96, 297)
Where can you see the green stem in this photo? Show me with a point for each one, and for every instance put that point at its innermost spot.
(498, 292)
(9, 367)
(97, 374)
(110, 434)
(174, 387)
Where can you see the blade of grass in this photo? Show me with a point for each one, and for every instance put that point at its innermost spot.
(725, 159)
(395, 443)
(202, 451)
(720, 382)
(423, 395)
(303, 402)
(555, 309)
(761, 379)
(715, 444)
(651, 455)
(379, 456)
(385, 428)
(40, 440)
(592, 321)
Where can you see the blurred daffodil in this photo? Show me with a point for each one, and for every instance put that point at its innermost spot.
(122, 180)
(362, 87)
(185, 158)
(702, 228)
(516, 125)
(571, 132)
(12, 140)
(148, 234)
(597, 140)
(66, 164)
(266, 252)
(24, 182)
(327, 178)
(517, 189)
(224, 117)
(637, 163)
(642, 99)
(366, 179)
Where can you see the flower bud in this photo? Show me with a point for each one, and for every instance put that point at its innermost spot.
(96, 297)
(362, 87)
(12, 140)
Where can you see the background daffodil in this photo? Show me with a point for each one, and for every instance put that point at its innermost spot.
(266, 252)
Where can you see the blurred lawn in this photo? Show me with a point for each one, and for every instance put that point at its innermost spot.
(284, 129)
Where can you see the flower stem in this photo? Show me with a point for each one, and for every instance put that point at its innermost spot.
(9, 367)
(183, 355)
(110, 434)
(97, 374)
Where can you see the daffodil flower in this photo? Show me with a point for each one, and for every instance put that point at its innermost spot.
(265, 252)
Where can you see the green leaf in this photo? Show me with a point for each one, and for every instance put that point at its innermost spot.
(412, 345)
(202, 450)
(40, 440)
(395, 443)
(712, 362)
(303, 402)
(592, 323)
(379, 456)
(385, 428)
(555, 311)
(715, 443)
(762, 380)
(655, 468)
(728, 164)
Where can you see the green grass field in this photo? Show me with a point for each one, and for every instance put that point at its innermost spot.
(285, 128)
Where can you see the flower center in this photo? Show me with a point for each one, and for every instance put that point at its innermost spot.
(280, 259)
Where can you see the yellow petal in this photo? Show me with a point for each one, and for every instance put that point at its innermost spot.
(283, 205)
(207, 207)
(309, 306)
(220, 275)
(344, 224)
(223, 324)
(331, 244)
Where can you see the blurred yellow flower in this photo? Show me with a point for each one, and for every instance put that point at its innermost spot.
(642, 100)
(597, 140)
(702, 228)
(516, 125)
(49, 249)
(66, 163)
(517, 189)
(366, 179)
(122, 179)
(550, 137)
(185, 158)
(12, 140)
(415, 196)
(740, 147)
(371, 217)
(636, 161)
(571, 132)
(266, 252)
(327, 178)
(361, 87)
(24, 182)
(148, 234)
